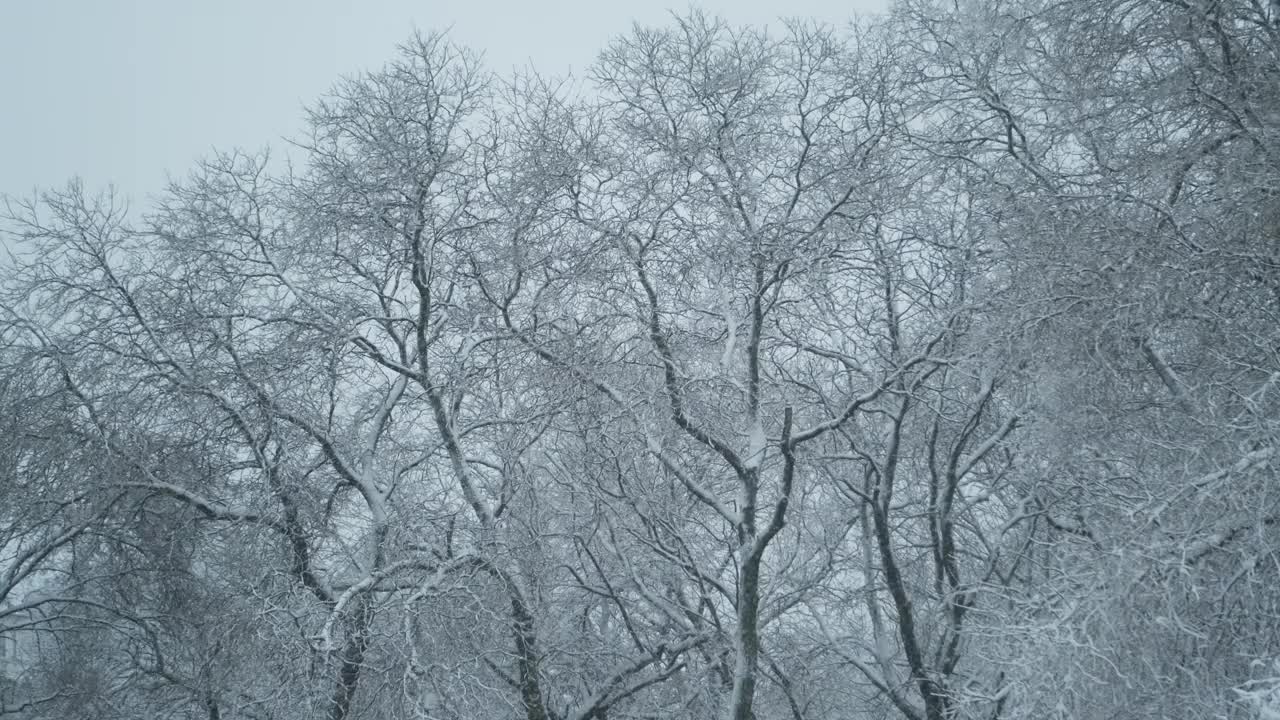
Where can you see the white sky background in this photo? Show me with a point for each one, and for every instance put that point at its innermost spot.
(128, 91)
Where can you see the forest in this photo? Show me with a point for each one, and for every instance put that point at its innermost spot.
(926, 368)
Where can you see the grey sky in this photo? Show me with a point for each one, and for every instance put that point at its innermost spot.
(123, 91)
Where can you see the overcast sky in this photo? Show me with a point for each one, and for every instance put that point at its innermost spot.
(125, 91)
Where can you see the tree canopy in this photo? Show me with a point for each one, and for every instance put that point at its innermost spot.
(924, 368)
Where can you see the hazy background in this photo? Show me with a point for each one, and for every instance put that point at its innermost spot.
(125, 91)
